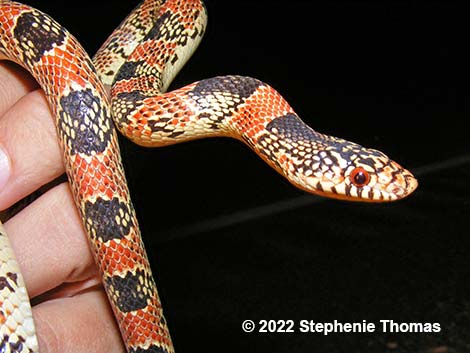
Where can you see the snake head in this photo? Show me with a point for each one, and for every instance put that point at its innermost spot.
(330, 166)
(345, 170)
(372, 176)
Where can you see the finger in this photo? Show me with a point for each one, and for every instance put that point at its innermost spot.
(28, 143)
(15, 82)
(80, 324)
(49, 242)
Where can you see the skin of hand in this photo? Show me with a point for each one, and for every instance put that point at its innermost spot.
(70, 309)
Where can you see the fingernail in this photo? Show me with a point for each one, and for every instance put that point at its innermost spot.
(4, 168)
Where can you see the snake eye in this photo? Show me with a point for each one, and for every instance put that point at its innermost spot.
(359, 177)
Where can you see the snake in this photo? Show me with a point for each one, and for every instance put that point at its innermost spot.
(124, 88)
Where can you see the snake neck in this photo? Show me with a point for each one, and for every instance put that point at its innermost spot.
(240, 107)
(234, 106)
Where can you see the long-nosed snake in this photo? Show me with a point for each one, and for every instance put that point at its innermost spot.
(137, 63)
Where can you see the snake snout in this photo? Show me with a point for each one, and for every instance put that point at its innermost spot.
(411, 183)
(403, 184)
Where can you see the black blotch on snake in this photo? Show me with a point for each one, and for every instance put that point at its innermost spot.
(129, 290)
(46, 35)
(111, 219)
(84, 123)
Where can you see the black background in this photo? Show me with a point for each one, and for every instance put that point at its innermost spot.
(231, 240)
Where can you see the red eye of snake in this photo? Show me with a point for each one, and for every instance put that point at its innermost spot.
(359, 177)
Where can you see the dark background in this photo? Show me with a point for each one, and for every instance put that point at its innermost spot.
(231, 240)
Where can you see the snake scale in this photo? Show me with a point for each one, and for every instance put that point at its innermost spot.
(136, 65)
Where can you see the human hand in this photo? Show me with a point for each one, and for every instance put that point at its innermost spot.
(71, 310)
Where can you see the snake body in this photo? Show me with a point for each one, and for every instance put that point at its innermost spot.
(136, 64)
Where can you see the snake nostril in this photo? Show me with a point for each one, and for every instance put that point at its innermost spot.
(397, 190)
